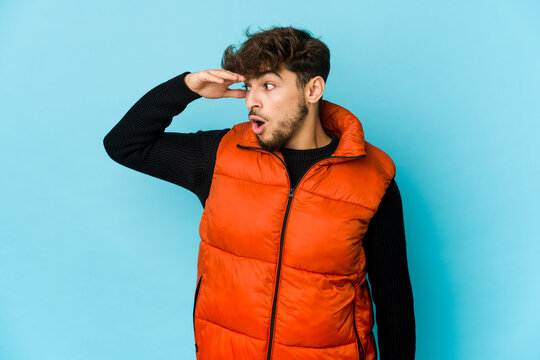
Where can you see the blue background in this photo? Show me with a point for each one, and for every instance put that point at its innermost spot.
(98, 261)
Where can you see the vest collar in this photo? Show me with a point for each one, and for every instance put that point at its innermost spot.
(335, 120)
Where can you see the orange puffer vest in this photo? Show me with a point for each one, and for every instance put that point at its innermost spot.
(281, 271)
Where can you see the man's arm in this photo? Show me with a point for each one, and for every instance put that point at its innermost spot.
(388, 275)
(139, 140)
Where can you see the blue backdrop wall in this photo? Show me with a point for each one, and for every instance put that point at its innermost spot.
(99, 262)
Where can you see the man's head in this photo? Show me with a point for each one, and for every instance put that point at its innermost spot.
(286, 70)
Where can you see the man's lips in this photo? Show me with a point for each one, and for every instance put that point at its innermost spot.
(257, 124)
(255, 119)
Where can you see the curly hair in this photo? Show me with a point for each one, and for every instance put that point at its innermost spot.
(269, 49)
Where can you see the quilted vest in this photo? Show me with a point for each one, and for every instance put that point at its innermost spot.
(281, 270)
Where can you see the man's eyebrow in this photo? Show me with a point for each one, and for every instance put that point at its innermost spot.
(264, 73)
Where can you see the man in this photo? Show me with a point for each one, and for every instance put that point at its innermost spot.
(285, 250)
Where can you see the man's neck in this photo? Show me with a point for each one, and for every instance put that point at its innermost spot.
(310, 135)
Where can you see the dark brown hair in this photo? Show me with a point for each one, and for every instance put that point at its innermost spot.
(296, 49)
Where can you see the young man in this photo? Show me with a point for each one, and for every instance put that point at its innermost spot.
(299, 210)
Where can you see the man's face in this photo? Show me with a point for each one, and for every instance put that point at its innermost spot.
(275, 99)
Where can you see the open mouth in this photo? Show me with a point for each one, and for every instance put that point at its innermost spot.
(257, 125)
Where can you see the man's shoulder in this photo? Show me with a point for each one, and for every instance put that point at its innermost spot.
(382, 159)
(243, 126)
(238, 132)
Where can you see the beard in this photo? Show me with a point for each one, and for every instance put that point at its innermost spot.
(286, 127)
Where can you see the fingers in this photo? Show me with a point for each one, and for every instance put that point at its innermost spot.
(227, 75)
(210, 77)
(235, 93)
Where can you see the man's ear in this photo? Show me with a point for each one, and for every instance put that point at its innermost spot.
(314, 89)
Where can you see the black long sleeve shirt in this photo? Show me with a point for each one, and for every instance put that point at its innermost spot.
(139, 141)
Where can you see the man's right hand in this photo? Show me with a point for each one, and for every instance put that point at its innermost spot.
(213, 84)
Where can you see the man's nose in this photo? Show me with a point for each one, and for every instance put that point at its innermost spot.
(252, 99)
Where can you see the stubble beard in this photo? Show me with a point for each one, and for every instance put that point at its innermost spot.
(287, 127)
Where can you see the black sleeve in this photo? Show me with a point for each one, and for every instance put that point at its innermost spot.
(388, 275)
(139, 141)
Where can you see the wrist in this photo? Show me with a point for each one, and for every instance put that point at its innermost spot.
(186, 80)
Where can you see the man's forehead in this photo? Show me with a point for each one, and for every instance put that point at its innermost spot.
(263, 73)
(269, 72)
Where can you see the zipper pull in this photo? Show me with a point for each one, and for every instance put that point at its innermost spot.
(291, 192)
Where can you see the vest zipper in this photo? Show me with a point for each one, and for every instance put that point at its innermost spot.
(194, 306)
(291, 193)
(290, 197)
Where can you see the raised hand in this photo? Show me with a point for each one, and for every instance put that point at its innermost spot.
(214, 84)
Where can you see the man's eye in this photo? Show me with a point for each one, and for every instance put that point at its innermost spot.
(246, 87)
